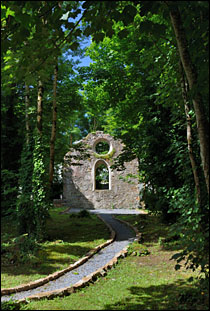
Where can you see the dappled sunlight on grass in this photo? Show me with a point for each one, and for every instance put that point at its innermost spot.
(146, 282)
(160, 297)
(68, 239)
(134, 285)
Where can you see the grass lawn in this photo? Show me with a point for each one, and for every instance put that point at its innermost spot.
(138, 282)
(68, 239)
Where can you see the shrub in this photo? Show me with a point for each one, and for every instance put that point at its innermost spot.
(193, 228)
(10, 305)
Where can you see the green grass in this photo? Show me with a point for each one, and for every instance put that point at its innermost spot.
(68, 239)
(147, 282)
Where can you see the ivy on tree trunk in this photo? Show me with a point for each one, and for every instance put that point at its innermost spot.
(39, 194)
(26, 112)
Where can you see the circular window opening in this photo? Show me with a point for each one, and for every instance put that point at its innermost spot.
(102, 147)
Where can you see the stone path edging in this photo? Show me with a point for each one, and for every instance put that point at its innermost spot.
(57, 274)
(91, 278)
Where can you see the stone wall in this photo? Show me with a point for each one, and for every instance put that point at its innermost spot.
(79, 182)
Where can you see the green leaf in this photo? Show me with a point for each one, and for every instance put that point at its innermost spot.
(9, 12)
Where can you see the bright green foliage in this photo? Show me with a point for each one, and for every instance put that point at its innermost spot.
(34, 35)
(193, 228)
(32, 205)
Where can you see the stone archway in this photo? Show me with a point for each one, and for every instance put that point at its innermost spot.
(101, 175)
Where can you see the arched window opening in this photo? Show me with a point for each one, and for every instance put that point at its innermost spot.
(102, 177)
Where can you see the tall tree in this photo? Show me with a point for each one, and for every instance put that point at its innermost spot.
(192, 77)
(184, 85)
(53, 133)
(40, 107)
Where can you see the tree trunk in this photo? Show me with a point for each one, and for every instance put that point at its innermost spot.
(184, 86)
(70, 140)
(191, 74)
(53, 133)
(26, 113)
(39, 107)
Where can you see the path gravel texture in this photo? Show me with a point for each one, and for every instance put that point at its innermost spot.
(124, 236)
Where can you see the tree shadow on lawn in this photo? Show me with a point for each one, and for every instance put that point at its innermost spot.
(58, 254)
(155, 231)
(177, 296)
(46, 264)
(74, 230)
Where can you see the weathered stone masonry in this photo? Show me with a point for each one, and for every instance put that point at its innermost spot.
(80, 190)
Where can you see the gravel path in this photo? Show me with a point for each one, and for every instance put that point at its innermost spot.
(124, 236)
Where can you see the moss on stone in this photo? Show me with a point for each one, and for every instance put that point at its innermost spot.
(87, 146)
(105, 156)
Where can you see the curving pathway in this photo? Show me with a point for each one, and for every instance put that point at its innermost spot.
(124, 236)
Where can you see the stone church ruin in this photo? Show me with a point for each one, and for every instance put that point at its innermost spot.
(90, 183)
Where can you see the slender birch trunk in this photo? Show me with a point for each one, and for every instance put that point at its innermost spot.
(40, 107)
(53, 132)
(184, 86)
(191, 74)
